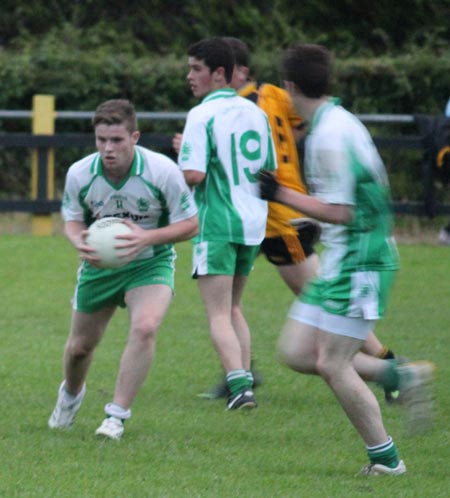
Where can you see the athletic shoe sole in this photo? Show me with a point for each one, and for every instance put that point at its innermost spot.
(377, 469)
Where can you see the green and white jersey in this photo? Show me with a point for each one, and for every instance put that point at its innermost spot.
(228, 138)
(153, 195)
(343, 166)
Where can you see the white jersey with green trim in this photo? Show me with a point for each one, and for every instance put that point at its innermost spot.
(343, 166)
(153, 195)
(228, 138)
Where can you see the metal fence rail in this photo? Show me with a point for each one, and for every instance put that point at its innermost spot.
(42, 143)
(87, 115)
(169, 116)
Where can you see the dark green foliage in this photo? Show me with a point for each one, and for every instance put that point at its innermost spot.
(391, 57)
(350, 26)
(80, 78)
(410, 83)
(85, 52)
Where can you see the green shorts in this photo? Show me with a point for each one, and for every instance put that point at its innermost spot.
(347, 305)
(222, 258)
(97, 288)
(361, 294)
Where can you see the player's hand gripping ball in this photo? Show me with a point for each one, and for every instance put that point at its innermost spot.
(102, 237)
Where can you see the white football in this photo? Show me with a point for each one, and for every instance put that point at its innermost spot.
(102, 237)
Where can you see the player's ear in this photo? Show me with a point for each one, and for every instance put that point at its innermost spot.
(219, 74)
(135, 136)
(290, 87)
(245, 71)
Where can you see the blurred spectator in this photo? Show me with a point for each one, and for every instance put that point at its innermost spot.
(443, 161)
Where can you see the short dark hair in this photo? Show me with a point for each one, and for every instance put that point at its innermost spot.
(214, 52)
(116, 112)
(309, 68)
(240, 50)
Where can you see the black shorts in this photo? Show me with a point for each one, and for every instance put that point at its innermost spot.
(292, 249)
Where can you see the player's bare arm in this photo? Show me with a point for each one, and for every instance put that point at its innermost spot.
(271, 190)
(176, 142)
(311, 206)
(193, 177)
(139, 238)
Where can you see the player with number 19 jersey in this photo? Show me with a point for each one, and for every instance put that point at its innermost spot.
(228, 138)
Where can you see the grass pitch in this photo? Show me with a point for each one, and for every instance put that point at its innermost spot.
(298, 443)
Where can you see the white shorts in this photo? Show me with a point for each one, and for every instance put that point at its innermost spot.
(316, 316)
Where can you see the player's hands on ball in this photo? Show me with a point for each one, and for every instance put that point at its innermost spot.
(268, 185)
(85, 251)
(131, 244)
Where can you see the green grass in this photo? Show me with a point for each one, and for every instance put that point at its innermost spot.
(298, 443)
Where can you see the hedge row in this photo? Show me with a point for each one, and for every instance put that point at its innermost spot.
(80, 78)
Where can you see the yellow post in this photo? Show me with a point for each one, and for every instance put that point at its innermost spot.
(43, 123)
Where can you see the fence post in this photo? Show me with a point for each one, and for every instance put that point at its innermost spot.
(43, 161)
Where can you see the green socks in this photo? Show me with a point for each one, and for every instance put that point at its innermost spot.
(385, 453)
(237, 381)
(391, 378)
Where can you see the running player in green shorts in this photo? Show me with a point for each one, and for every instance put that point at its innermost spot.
(147, 190)
(349, 194)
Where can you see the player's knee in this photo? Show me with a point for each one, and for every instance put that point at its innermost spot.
(296, 361)
(236, 313)
(325, 368)
(145, 331)
(289, 355)
(78, 348)
(286, 357)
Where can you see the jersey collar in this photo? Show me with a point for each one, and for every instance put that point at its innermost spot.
(220, 93)
(137, 166)
(322, 109)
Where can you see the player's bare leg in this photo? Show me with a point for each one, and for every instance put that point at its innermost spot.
(307, 349)
(297, 347)
(86, 331)
(147, 307)
(217, 294)
(238, 320)
(216, 291)
(334, 365)
(372, 345)
(297, 275)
